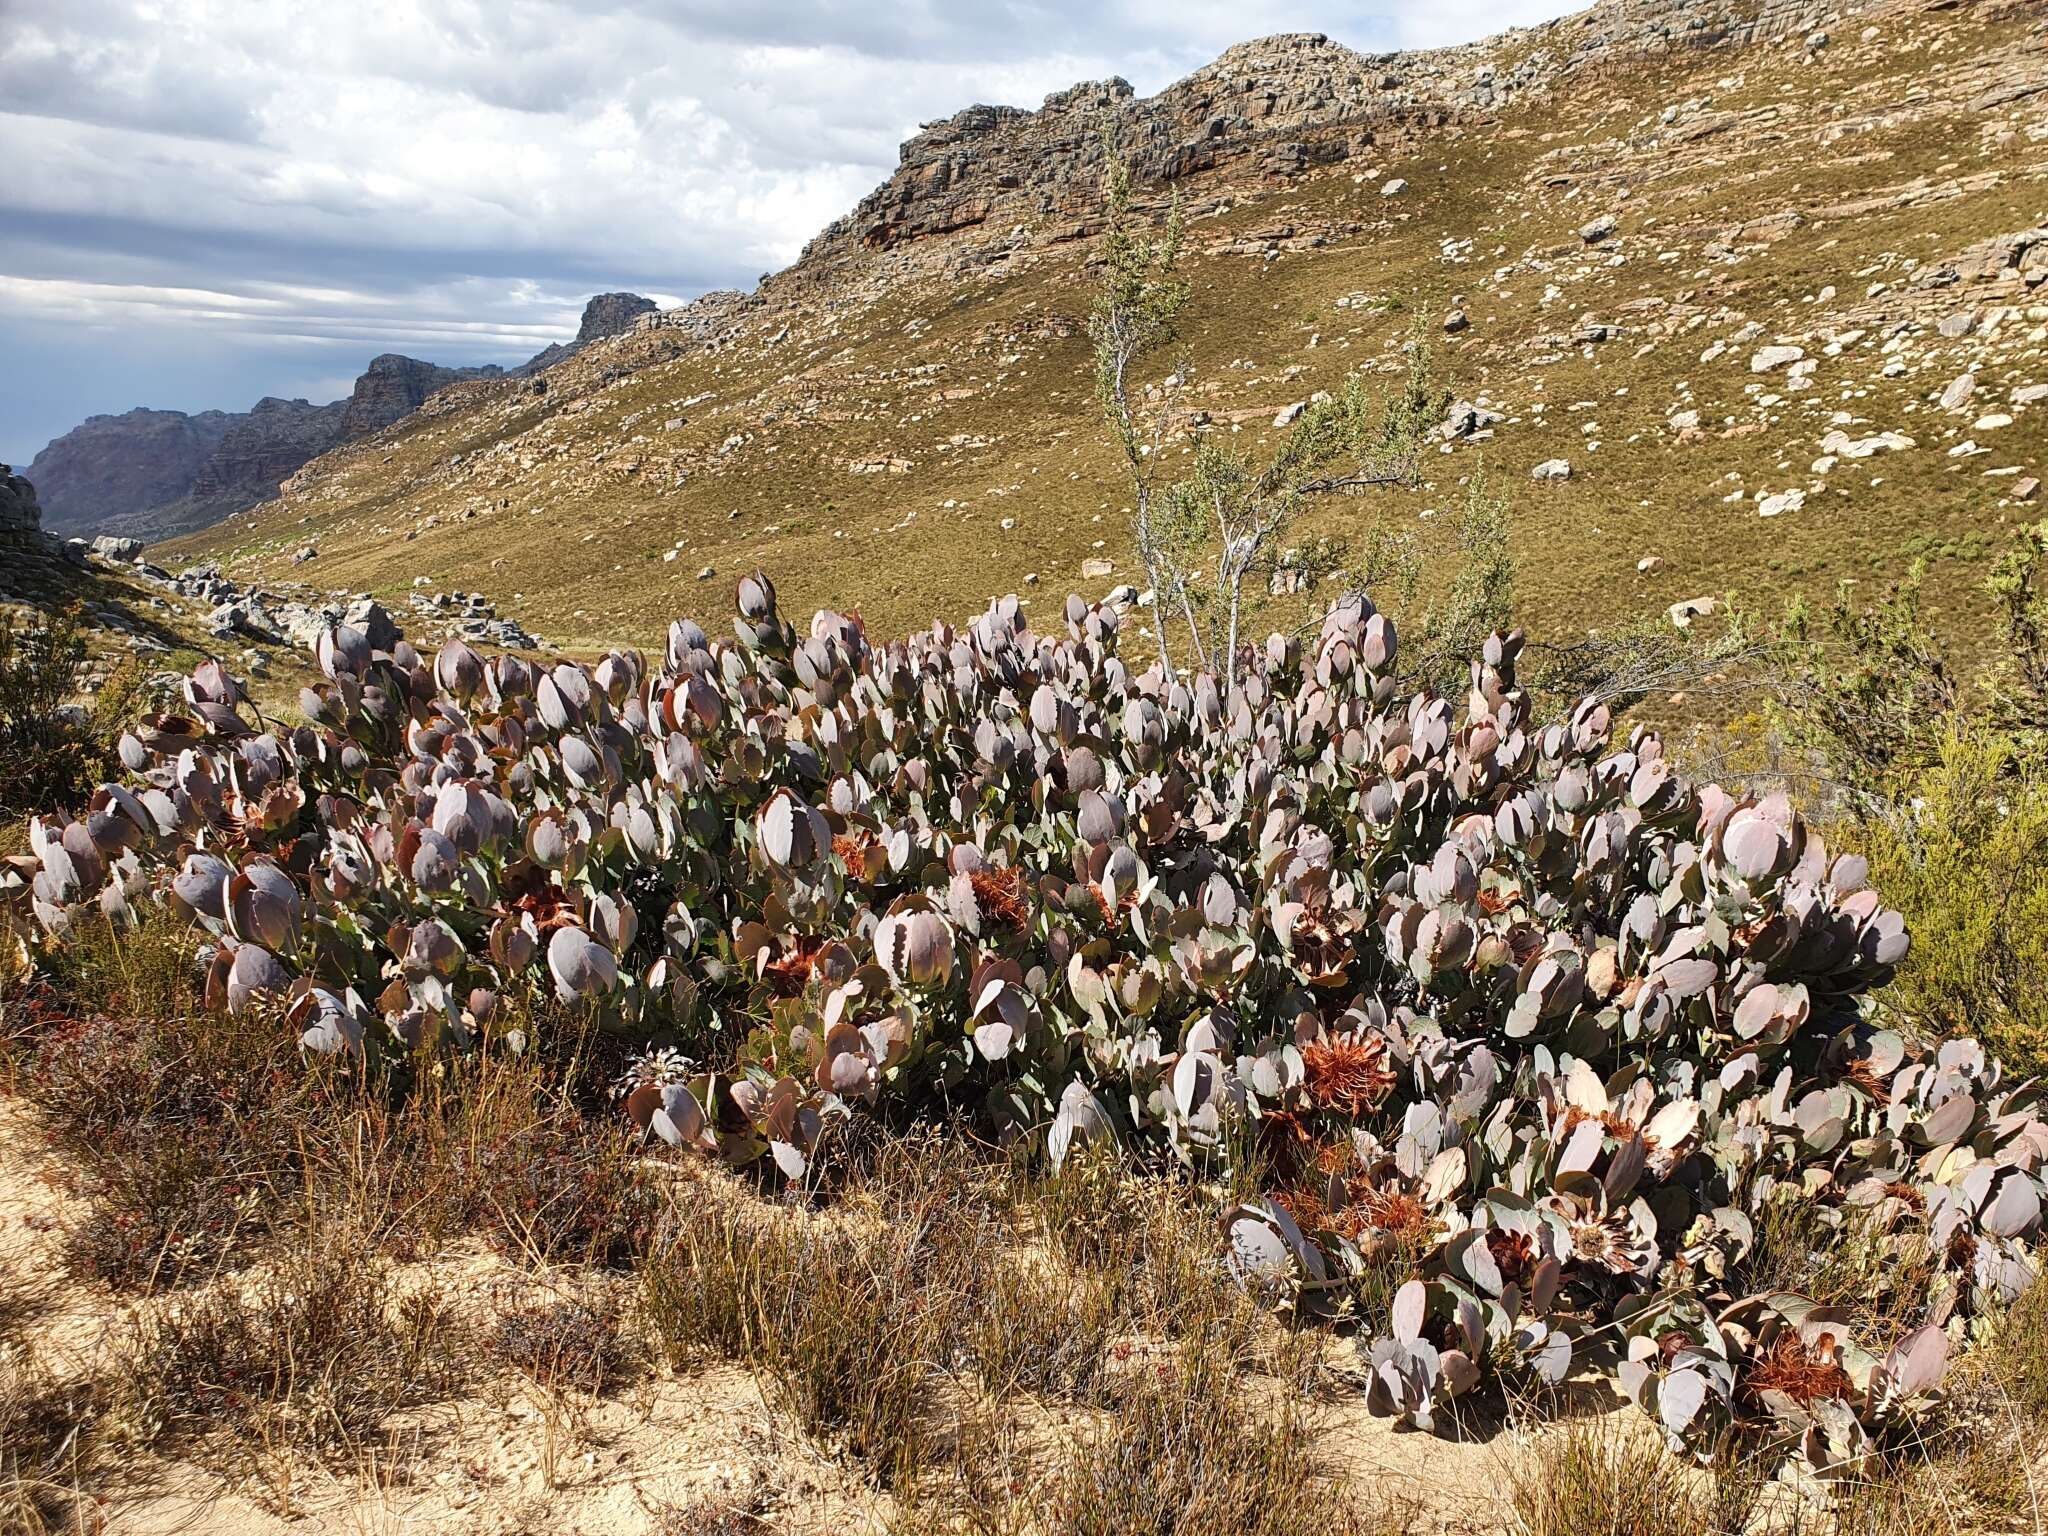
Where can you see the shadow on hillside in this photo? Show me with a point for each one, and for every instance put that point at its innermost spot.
(42, 579)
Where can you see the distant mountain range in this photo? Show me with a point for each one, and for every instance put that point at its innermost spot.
(153, 474)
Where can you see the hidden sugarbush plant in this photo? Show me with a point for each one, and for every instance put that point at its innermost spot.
(1505, 1008)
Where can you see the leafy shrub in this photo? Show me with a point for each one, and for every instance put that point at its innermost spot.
(48, 751)
(1530, 1028)
(1966, 860)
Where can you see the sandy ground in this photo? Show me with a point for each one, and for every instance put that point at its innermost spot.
(516, 1458)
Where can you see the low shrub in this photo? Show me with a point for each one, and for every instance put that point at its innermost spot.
(1965, 858)
(50, 748)
(1530, 1030)
(575, 1343)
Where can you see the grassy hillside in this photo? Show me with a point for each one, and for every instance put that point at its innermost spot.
(911, 443)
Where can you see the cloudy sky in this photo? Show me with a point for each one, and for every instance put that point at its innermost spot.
(204, 201)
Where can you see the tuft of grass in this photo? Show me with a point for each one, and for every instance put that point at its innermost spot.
(1837, 1257)
(2013, 1356)
(855, 1327)
(50, 1440)
(1601, 1478)
(1196, 1447)
(577, 1344)
(194, 1133)
(923, 1320)
(314, 1353)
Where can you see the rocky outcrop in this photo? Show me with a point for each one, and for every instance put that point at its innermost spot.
(609, 314)
(136, 461)
(394, 386)
(1263, 111)
(606, 315)
(20, 517)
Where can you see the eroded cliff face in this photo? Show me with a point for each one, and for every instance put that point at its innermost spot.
(139, 459)
(20, 517)
(1266, 109)
(394, 386)
(610, 314)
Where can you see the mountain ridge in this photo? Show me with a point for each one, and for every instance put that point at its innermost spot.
(155, 474)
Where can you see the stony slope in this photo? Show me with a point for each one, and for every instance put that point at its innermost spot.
(1729, 261)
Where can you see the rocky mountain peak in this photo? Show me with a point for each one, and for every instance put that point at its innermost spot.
(1261, 112)
(610, 314)
(395, 385)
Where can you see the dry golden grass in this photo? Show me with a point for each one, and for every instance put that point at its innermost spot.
(986, 1348)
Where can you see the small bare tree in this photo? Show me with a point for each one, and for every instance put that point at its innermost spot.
(1137, 312)
(1243, 512)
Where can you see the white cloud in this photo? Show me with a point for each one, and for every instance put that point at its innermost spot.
(412, 174)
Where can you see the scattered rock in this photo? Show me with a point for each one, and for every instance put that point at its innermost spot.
(1290, 414)
(1599, 229)
(1394, 188)
(1682, 614)
(1552, 469)
(369, 618)
(1466, 420)
(1094, 568)
(1764, 359)
(1959, 390)
(1842, 446)
(124, 551)
(1783, 501)
(1456, 321)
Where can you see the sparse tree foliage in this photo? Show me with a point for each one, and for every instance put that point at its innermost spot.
(1213, 539)
(1866, 689)
(1137, 312)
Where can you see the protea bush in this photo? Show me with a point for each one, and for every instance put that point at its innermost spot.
(1505, 1006)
